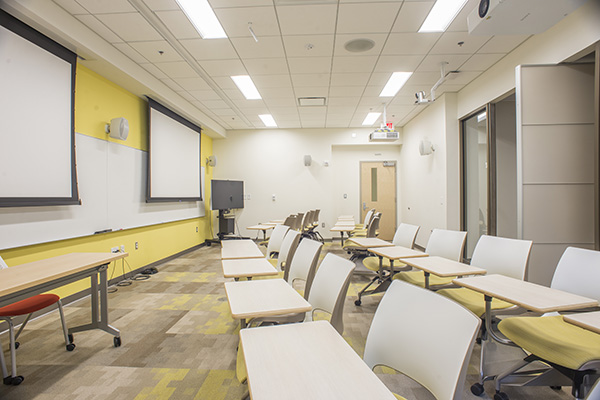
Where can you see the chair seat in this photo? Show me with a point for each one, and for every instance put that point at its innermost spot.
(418, 278)
(553, 339)
(473, 300)
(29, 305)
(372, 263)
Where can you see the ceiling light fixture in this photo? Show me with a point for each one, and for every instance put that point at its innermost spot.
(202, 16)
(371, 118)
(394, 84)
(268, 120)
(246, 86)
(441, 15)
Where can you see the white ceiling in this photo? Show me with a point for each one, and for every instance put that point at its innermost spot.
(300, 53)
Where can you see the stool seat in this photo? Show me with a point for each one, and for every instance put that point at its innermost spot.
(29, 305)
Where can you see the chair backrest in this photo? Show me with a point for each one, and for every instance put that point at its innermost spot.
(2, 264)
(299, 220)
(405, 235)
(288, 248)
(500, 255)
(373, 225)
(578, 272)
(447, 244)
(368, 217)
(329, 289)
(276, 239)
(290, 221)
(307, 220)
(304, 264)
(432, 338)
(315, 220)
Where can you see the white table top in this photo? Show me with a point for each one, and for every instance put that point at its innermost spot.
(369, 242)
(345, 224)
(443, 267)
(303, 361)
(396, 252)
(587, 320)
(346, 217)
(528, 295)
(342, 228)
(247, 267)
(261, 227)
(232, 249)
(264, 298)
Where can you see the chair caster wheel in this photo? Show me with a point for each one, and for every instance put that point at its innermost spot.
(500, 396)
(14, 380)
(17, 344)
(556, 387)
(477, 389)
(71, 347)
(117, 341)
(357, 302)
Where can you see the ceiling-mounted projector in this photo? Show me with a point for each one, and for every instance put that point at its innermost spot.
(518, 17)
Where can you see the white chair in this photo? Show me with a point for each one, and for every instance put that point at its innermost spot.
(497, 255)
(303, 265)
(564, 347)
(424, 336)
(286, 253)
(274, 244)
(442, 243)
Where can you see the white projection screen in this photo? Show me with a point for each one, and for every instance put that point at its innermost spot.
(37, 152)
(174, 166)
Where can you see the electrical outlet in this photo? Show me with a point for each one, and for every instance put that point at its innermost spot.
(196, 229)
(114, 249)
(122, 248)
(136, 245)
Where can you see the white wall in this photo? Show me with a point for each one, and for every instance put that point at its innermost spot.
(270, 162)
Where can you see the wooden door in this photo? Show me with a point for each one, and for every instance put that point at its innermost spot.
(378, 191)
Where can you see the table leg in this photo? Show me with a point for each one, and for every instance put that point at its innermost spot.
(426, 279)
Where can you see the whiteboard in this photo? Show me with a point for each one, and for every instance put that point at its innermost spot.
(112, 188)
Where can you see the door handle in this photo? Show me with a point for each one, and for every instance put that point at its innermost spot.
(364, 206)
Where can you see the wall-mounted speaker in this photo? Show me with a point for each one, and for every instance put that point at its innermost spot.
(118, 128)
(426, 148)
(211, 161)
(307, 160)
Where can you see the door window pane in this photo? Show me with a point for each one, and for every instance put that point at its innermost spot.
(373, 184)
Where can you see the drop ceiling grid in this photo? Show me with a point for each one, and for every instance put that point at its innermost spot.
(300, 53)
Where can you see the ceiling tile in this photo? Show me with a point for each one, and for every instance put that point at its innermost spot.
(410, 43)
(481, 62)
(187, 96)
(398, 63)
(343, 91)
(213, 49)
(343, 101)
(411, 16)
(433, 62)
(204, 94)
(179, 69)
(234, 94)
(367, 17)
(503, 44)
(308, 80)
(284, 112)
(154, 71)
(224, 112)
(269, 93)
(159, 5)
(266, 66)
(266, 47)
(313, 123)
(106, 6)
(131, 27)
(97, 26)
(223, 67)
(307, 19)
(284, 102)
(355, 79)
(272, 81)
(225, 82)
(235, 21)
(308, 45)
(313, 91)
(157, 51)
(71, 6)
(130, 52)
(354, 64)
(450, 43)
(238, 3)
(215, 104)
(171, 83)
(192, 83)
(310, 65)
(178, 24)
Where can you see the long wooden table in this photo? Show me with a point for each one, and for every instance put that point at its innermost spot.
(306, 361)
(263, 298)
(236, 249)
(442, 267)
(247, 268)
(23, 281)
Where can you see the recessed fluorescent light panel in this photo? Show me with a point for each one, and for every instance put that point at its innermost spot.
(268, 120)
(441, 15)
(395, 83)
(246, 86)
(371, 118)
(202, 16)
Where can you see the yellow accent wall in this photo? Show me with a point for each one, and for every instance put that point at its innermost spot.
(97, 100)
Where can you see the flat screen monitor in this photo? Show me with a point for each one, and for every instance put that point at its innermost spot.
(226, 195)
